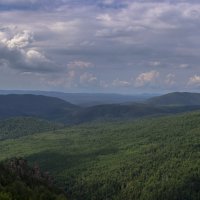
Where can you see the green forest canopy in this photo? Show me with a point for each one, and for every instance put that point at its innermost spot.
(154, 159)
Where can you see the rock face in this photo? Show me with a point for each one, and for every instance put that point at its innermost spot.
(20, 167)
(19, 181)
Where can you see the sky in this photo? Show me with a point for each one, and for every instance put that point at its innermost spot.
(118, 46)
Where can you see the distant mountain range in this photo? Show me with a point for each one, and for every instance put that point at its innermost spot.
(176, 98)
(52, 108)
(35, 105)
(86, 99)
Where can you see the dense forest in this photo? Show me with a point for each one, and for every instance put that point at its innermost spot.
(21, 126)
(146, 159)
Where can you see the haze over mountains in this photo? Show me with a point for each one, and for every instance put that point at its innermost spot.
(53, 108)
(86, 99)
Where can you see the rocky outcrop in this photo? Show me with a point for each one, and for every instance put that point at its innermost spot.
(21, 182)
(20, 167)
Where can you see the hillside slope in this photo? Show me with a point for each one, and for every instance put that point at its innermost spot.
(34, 105)
(22, 126)
(154, 159)
(123, 112)
(176, 98)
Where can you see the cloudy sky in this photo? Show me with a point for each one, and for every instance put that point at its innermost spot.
(121, 46)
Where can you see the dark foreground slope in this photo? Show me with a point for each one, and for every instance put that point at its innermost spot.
(155, 159)
(18, 181)
(176, 98)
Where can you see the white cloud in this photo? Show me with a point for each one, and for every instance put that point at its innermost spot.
(194, 80)
(20, 40)
(36, 60)
(13, 39)
(35, 55)
(146, 78)
(17, 53)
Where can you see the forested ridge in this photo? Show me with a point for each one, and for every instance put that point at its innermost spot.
(176, 98)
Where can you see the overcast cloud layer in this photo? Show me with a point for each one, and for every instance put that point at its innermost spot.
(129, 46)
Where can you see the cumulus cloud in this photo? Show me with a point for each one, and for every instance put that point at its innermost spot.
(11, 39)
(35, 55)
(146, 78)
(16, 52)
(19, 40)
(35, 60)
